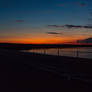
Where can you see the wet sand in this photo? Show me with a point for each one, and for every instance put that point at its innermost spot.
(30, 72)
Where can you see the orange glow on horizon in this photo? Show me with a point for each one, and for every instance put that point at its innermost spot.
(42, 39)
(57, 40)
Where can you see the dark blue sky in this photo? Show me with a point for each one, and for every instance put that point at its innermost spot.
(33, 17)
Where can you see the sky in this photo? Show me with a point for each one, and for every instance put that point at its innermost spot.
(45, 21)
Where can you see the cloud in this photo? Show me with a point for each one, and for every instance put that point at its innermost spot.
(61, 5)
(78, 26)
(89, 19)
(53, 33)
(70, 26)
(88, 40)
(82, 4)
(73, 26)
(56, 26)
(90, 13)
(20, 21)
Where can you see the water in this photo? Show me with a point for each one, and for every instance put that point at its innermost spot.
(73, 52)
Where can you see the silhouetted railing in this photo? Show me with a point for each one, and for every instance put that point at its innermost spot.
(58, 52)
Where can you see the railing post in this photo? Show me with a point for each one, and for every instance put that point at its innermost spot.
(77, 53)
(58, 51)
(44, 51)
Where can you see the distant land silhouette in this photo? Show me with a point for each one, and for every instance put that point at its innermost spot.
(15, 46)
(88, 40)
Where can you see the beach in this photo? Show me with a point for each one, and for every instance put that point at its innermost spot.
(31, 72)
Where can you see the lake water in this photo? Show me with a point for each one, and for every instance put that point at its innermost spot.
(73, 52)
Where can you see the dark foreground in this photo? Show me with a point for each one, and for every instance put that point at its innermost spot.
(29, 72)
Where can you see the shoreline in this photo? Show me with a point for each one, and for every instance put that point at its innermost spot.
(13, 46)
(26, 69)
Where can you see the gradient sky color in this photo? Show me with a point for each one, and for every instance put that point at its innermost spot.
(27, 21)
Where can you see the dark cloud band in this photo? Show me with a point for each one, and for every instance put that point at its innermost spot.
(53, 33)
(70, 26)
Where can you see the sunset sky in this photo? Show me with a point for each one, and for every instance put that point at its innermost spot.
(45, 21)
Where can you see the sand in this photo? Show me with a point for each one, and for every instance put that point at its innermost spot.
(31, 72)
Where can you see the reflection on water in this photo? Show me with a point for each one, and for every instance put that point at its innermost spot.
(74, 52)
